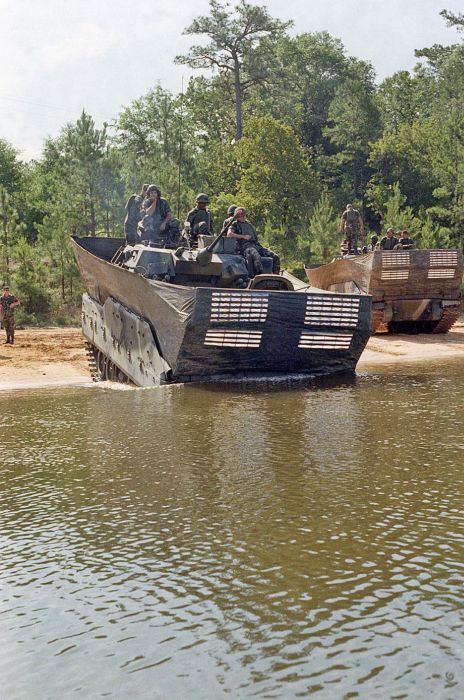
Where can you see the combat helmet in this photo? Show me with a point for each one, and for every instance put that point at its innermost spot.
(202, 198)
(231, 209)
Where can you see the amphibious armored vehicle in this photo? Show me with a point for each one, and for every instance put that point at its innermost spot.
(413, 291)
(154, 316)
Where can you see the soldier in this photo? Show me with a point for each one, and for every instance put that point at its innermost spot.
(389, 241)
(156, 216)
(373, 244)
(404, 242)
(198, 215)
(249, 246)
(133, 214)
(8, 303)
(230, 214)
(351, 226)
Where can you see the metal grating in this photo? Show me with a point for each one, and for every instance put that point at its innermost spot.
(325, 341)
(233, 339)
(239, 306)
(439, 258)
(336, 311)
(395, 258)
(441, 274)
(394, 275)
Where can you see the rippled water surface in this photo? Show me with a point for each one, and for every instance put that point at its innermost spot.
(189, 543)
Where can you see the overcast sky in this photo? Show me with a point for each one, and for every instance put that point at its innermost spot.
(58, 57)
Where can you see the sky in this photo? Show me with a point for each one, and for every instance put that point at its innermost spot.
(58, 57)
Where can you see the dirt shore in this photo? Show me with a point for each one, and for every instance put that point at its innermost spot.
(56, 356)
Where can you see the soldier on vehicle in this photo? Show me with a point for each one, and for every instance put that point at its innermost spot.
(230, 214)
(248, 244)
(373, 244)
(8, 303)
(351, 227)
(133, 211)
(198, 215)
(389, 241)
(404, 242)
(157, 225)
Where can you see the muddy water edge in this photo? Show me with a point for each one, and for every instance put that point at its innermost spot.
(195, 543)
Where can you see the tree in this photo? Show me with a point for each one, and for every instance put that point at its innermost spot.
(397, 215)
(11, 169)
(323, 242)
(31, 279)
(84, 150)
(353, 123)
(277, 183)
(239, 46)
(10, 230)
(432, 235)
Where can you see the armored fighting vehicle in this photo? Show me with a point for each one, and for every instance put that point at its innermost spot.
(413, 291)
(155, 315)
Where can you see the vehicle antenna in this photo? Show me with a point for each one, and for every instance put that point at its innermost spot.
(180, 147)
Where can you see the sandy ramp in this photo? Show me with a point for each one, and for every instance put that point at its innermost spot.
(56, 356)
(44, 357)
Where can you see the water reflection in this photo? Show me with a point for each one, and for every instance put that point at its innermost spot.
(195, 543)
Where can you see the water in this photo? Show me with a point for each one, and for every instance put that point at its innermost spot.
(191, 543)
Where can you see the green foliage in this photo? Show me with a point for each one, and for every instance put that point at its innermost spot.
(31, 279)
(323, 242)
(11, 169)
(277, 183)
(399, 216)
(240, 47)
(10, 230)
(432, 235)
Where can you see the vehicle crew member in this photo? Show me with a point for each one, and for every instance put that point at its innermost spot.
(389, 241)
(351, 227)
(230, 214)
(8, 303)
(156, 217)
(249, 246)
(373, 244)
(404, 242)
(198, 215)
(133, 211)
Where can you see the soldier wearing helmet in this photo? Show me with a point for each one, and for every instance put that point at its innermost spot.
(199, 214)
(230, 214)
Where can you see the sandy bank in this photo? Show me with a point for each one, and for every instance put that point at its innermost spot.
(56, 356)
(388, 349)
(44, 357)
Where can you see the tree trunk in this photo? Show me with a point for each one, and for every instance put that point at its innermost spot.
(238, 100)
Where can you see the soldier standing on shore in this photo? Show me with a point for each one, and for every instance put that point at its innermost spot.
(351, 226)
(8, 303)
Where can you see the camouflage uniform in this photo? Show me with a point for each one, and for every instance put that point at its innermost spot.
(152, 223)
(388, 243)
(252, 251)
(8, 316)
(351, 225)
(248, 248)
(197, 216)
(133, 211)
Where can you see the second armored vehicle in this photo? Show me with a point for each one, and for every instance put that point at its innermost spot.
(413, 291)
